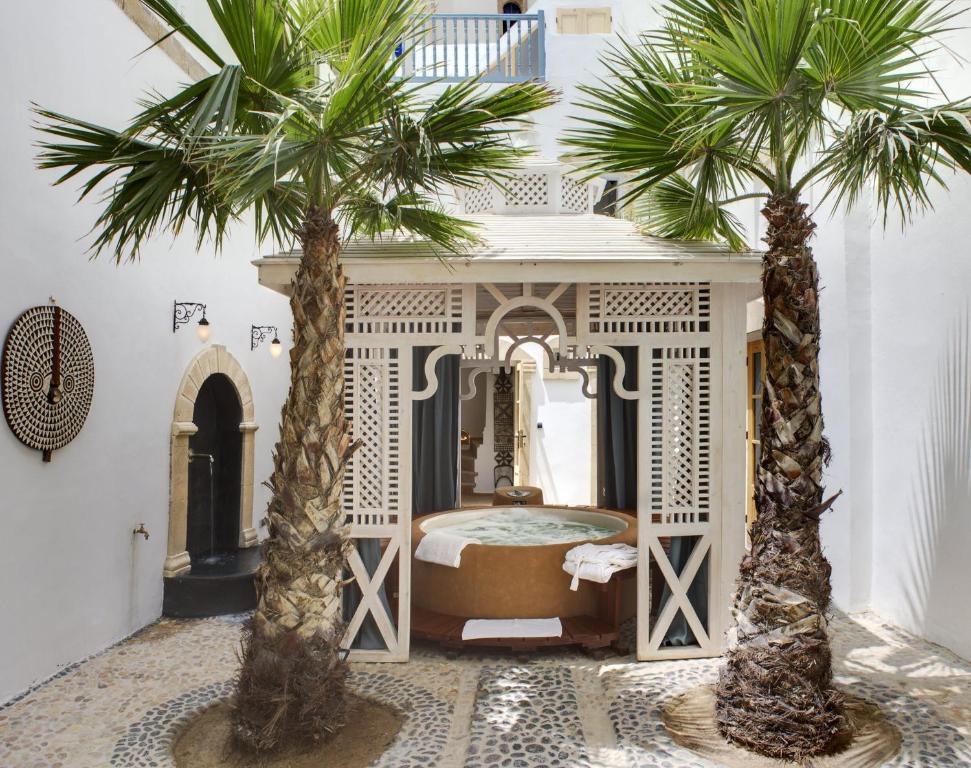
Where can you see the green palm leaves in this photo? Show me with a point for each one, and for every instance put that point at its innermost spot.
(312, 113)
(734, 95)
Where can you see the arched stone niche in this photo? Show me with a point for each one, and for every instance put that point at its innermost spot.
(212, 360)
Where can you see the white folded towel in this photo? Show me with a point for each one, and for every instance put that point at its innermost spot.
(479, 629)
(598, 562)
(442, 548)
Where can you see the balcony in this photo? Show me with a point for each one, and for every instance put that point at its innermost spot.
(496, 48)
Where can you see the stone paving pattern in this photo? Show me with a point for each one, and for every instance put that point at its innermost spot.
(124, 706)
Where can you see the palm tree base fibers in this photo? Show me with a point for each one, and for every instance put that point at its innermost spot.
(207, 741)
(869, 740)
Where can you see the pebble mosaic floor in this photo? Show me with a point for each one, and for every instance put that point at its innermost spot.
(122, 708)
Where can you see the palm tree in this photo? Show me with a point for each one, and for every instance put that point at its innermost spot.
(314, 136)
(734, 99)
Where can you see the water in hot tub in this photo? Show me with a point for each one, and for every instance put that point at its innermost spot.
(524, 528)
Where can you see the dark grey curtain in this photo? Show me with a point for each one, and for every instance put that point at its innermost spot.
(679, 632)
(435, 436)
(617, 435)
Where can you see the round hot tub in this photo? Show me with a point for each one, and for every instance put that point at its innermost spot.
(516, 572)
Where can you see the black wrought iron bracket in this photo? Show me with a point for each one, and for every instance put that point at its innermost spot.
(258, 334)
(184, 311)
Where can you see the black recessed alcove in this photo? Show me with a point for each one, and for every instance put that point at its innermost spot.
(213, 508)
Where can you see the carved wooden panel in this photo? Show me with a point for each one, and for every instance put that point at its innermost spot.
(403, 309)
(636, 308)
(372, 404)
(504, 406)
(680, 435)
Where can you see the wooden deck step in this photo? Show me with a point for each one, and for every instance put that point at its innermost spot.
(585, 631)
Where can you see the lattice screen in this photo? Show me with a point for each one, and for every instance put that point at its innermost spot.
(680, 435)
(649, 307)
(528, 189)
(573, 196)
(403, 309)
(480, 198)
(372, 404)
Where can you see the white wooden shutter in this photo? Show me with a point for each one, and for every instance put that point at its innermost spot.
(583, 21)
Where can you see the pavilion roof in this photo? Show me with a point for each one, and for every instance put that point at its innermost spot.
(579, 247)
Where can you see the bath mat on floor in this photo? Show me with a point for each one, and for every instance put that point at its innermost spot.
(480, 629)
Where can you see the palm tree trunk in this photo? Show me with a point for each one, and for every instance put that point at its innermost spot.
(775, 693)
(291, 682)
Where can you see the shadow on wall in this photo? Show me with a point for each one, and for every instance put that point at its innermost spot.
(938, 563)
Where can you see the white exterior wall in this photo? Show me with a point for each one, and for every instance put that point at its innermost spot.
(922, 422)
(73, 579)
(921, 282)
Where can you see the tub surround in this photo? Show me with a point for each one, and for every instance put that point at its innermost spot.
(497, 581)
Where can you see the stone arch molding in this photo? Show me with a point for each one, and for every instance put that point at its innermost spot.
(212, 360)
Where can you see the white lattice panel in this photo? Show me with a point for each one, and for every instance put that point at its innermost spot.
(573, 196)
(480, 198)
(372, 405)
(680, 435)
(636, 308)
(403, 309)
(531, 189)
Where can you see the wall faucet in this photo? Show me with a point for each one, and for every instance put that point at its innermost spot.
(197, 455)
(141, 531)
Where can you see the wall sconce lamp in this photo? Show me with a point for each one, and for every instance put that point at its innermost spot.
(183, 312)
(258, 334)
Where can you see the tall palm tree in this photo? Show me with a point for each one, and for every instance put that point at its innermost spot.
(733, 99)
(315, 137)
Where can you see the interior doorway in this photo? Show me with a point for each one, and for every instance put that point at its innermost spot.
(528, 426)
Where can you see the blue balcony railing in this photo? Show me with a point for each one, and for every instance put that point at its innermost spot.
(496, 47)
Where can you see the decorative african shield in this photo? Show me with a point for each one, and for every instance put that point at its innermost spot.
(47, 373)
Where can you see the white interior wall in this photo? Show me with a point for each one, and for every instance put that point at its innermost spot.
(473, 410)
(560, 451)
(485, 460)
(73, 579)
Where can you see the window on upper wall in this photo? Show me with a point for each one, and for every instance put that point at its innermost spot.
(510, 8)
(607, 205)
(583, 21)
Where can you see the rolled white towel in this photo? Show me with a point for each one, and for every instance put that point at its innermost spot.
(598, 572)
(442, 548)
(598, 562)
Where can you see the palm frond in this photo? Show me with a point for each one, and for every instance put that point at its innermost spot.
(672, 209)
(868, 55)
(460, 137)
(313, 112)
(368, 215)
(154, 187)
(171, 16)
(901, 155)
